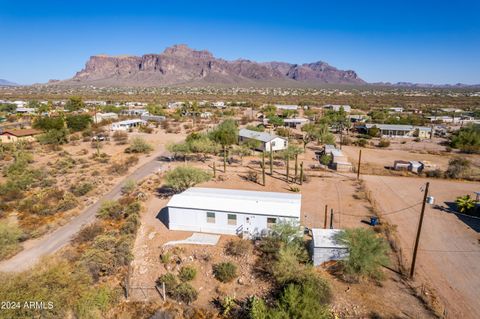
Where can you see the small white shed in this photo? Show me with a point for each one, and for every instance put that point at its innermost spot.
(231, 211)
(325, 247)
(267, 141)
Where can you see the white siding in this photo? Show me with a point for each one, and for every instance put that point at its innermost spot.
(196, 220)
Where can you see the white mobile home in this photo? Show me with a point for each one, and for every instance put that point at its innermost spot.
(295, 122)
(267, 141)
(100, 117)
(397, 130)
(231, 211)
(126, 125)
(325, 246)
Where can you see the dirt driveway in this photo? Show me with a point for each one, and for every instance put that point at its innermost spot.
(449, 255)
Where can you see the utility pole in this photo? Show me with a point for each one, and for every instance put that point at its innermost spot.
(214, 170)
(325, 220)
(359, 161)
(301, 173)
(296, 166)
(331, 218)
(417, 240)
(263, 168)
(271, 160)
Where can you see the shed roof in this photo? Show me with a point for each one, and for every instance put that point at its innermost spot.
(325, 238)
(22, 132)
(398, 127)
(261, 136)
(239, 201)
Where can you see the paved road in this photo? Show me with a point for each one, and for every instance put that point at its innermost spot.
(52, 242)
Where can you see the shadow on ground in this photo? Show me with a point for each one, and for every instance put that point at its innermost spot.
(471, 221)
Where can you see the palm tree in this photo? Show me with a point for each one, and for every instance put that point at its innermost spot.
(465, 204)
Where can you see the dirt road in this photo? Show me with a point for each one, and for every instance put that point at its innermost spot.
(449, 252)
(50, 243)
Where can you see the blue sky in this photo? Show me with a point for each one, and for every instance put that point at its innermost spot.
(416, 41)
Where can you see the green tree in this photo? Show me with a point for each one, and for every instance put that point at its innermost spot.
(80, 122)
(225, 134)
(49, 123)
(467, 139)
(275, 120)
(374, 131)
(183, 177)
(155, 109)
(367, 253)
(74, 103)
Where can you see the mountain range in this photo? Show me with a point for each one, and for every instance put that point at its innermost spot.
(7, 83)
(181, 65)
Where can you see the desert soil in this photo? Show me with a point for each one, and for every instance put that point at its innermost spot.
(449, 251)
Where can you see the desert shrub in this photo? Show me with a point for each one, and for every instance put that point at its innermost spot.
(237, 247)
(145, 129)
(94, 303)
(88, 233)
(384, 143)
(129, 186)
(252, 176)
(60, 283)
(98, 262)
(138, 145)
(225, 271)
(9, 239)
(346, 140)
(367, 253)
(184, 292)
(120, 137)
(131, 224)
(183, 177)
(457, 167)
(373, 131)
(131, 160)
(361, 142)
(110, 209)
(187, 273)
(54, 137)
(81, 189)
(166, 257)
(436, 173)
(170, 281)
(118, 168)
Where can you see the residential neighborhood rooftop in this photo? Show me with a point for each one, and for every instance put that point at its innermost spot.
(261, 136)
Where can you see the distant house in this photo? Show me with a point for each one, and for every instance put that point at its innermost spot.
(396, 109)
(134, 112)
(126, 125)
(357, 118)
(394, 130)
(295, 122)
(97, 103)
(12, 136)
(25, 110)
(100, 117)
(175, 105)
(326, 247)
(219, 104)
(286, 107)
(267, 141)
(451, 110)
(152, 118)
(336, 107)
(231, 211)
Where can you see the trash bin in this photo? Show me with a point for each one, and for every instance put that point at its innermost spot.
(374, 220)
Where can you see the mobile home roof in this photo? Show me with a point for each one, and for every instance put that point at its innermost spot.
(239, 201)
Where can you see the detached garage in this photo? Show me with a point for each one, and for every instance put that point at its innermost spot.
(230, 211)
